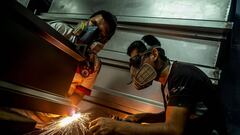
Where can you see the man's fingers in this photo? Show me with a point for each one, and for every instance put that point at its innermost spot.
(94, 122)
(94, 128)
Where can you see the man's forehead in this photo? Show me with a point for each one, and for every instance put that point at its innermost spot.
(96, 17)
(136, 52)
(102, 22)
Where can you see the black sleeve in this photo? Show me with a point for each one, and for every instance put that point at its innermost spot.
(183, 87)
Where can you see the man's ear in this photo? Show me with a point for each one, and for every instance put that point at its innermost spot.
(154, 54)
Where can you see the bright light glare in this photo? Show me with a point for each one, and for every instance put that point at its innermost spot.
(68, 120)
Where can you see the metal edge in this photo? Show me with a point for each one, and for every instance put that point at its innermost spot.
(14, 88)
(148, 20)
(132, 97)
(121, 61)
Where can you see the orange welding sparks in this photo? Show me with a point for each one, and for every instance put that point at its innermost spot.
(75, 124)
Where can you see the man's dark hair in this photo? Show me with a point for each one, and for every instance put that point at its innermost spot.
(151, 40)
(111, 20)
(139, 45)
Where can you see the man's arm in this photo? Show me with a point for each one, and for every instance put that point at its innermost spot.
(174, 125)
(146, 117)
(63, 29)
(89, 81)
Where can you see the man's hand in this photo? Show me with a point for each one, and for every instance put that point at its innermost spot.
(103, 126)
(136, 118)
(89, 66)
(97, 63)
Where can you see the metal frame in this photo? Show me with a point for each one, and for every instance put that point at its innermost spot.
(13, 95)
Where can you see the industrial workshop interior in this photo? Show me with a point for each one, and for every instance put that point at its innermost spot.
(69, 67)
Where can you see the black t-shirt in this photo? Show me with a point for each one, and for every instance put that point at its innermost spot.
(188, 86)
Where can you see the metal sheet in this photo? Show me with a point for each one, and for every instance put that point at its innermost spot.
(143, 20)
(24, 2)
(119, 102)
(217, 10)
(18, 96)
(196, 51)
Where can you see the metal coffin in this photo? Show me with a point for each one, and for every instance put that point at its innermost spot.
(37, 63)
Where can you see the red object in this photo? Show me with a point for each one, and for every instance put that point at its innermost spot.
(78, 69)
(80, 88)
(84, 90)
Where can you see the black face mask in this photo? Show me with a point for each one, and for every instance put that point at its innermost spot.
(85, 39)
(88, 35)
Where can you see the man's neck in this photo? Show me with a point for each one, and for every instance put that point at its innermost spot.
(164, 74)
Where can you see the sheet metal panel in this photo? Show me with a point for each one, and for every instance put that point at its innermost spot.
(17, 96)
(24, 2)
(196, 51)
(217, 10)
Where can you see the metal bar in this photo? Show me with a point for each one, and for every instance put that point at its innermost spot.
(130, 96)
(216, 10)
(45, 101)
(144, 20)
(176, 31)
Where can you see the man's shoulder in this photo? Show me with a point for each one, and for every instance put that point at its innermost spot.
(183, 64)
(188, 74)
(56, 22)
(61, 27)
(186, 68)
(58, 25)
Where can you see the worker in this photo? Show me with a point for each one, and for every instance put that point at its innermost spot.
(103, 23)
(191, 102)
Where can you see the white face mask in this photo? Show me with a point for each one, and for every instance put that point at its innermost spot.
(144, 76)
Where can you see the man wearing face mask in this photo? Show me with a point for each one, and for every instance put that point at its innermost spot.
(89, 37)
(191, 103)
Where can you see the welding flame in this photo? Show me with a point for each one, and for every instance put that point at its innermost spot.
(68, 120)
(75, 124)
